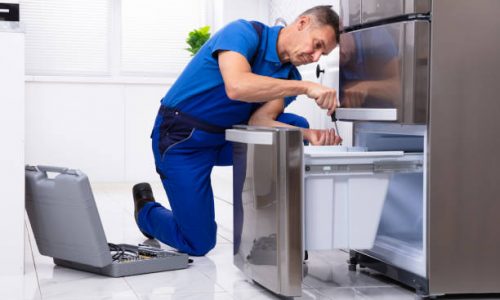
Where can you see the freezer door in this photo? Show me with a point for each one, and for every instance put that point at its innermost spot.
(267, 190)
(384, 73)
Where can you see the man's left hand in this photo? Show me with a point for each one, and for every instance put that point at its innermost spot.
(322, 136)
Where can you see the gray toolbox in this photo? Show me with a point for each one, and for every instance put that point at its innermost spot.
(67, 227)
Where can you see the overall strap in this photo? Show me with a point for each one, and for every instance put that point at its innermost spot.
(258, 28)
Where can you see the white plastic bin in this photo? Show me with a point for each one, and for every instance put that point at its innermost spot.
(344, 193)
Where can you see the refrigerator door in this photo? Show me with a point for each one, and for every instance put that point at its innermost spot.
(384, 73)
(464, 141)
(267, 179)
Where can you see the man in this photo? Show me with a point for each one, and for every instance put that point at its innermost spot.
(246, 73)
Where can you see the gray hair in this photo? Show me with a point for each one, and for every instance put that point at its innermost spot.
(324, 15)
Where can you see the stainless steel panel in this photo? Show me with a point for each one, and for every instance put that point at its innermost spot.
(268, 208)
(386, 67)
(416, 73)
(417, 6)
(374, 10)
(290, 211)
(250, 137)
(356, 12)
(366, 114)
(464, 189)
(350, 12)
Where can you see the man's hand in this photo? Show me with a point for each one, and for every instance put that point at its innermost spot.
(321, 136)
(325, 97)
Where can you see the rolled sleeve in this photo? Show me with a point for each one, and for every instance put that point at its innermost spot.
(238, 36)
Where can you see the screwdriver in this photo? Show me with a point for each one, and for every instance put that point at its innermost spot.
(334, 120)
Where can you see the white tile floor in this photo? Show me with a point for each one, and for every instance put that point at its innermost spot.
(209, 277)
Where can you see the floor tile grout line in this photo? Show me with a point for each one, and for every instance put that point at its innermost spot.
(33, 258)
(131, 288)
(320, 293)
(225, 201)
(214, 280)
(222, 237)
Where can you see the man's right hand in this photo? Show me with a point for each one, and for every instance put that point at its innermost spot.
(325, 97)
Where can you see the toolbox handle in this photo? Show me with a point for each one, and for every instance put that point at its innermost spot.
(53, 169)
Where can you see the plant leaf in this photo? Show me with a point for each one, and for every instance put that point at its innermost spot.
(197, 38)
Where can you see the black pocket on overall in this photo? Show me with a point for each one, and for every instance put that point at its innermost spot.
(173, 130)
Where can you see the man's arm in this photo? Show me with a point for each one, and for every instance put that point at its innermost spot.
(241, 84)
(267, 114)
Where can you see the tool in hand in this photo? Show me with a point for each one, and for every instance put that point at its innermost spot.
(334, 118)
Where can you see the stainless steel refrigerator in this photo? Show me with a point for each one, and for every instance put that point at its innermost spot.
(417, 197)
(427, 74)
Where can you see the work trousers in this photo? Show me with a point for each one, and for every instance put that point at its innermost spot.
(185, 151)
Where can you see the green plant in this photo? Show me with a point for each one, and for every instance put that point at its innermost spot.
(197, 38)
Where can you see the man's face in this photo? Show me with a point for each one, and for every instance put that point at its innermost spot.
(311, 42)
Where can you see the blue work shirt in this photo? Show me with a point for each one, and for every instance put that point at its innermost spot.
(199, 91)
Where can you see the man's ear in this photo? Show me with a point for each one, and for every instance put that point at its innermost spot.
(302, 22)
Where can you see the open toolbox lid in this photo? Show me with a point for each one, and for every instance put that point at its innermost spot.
(344, 193)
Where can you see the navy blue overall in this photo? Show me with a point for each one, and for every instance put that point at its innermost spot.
(188, 135)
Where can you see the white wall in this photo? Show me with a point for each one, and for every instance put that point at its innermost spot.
(12, 151)
(226, 11)
(100, 128)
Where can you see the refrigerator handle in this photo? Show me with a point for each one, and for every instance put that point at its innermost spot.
(250, 137)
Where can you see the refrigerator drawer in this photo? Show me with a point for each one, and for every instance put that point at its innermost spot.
(267, 210)
(345, 191)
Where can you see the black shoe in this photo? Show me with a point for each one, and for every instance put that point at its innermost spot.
(142, 194)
